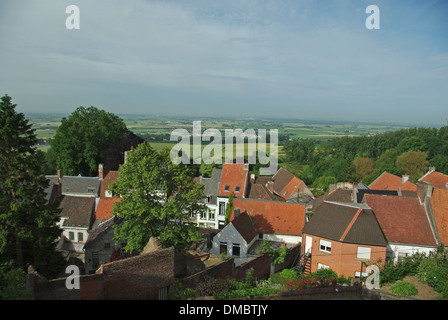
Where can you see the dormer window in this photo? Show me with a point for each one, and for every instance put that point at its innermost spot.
(227, 188)
(91, 190)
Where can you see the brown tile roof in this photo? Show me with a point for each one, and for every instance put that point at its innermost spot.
(388, 181)
(234, 176)
(244, 225)
(437, 179)
(439, 204)
(286, 184)
(110, 177)
(346, 223)
(273, 216)
(104, 208)
(402, 219)
(78, 210)
(338, 195)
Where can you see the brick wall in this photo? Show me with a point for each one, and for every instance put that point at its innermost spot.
(342, 258)
(138, 277)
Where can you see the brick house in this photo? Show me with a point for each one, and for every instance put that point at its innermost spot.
(437, 179)
(234, 180)
(343, 236)
(388, 181)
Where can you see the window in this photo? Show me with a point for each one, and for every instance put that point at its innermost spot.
(91, 190)
(223, 247)
(325, 246)
(322, 266)
(363, 253)
(207, 200)
(71, 236)
(237, 189)
(95, 260)
(226, 188)
(80, 237)
(236, 249)
(211, 215)
(222, 208)
(358, 274)
(163, 292)
(204, 215)
(107, 245)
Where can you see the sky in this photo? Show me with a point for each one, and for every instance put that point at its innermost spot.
(294, 59)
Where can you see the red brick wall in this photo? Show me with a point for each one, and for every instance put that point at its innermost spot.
(342, 258)
(138, 277)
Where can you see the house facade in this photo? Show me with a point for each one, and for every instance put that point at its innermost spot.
(254, 221)
(234, 180)
(344, 237)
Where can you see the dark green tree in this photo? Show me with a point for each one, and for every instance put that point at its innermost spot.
(158, 199)
(81, 139)
(27, 221)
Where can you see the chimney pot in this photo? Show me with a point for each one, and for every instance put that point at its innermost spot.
(101, 171)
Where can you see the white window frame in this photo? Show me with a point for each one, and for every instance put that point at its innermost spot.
(363, 253)
(326, 246)
(322, 266)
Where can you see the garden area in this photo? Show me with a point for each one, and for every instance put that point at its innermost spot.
(418, 276)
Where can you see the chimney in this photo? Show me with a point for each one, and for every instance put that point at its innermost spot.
(59, 175)
(236, 212)
(404, 178)
(432, 169)
(101, 171)
(252, 177)
(270, 186)
(126, 154)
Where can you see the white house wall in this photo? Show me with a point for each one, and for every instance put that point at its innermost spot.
(282, 238)
(396, 250)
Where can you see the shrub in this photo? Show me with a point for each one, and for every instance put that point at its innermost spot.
(404, 288)
(288, 274)
(434, 272)
(393, 271)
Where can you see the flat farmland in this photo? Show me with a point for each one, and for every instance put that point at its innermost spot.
(157, 130)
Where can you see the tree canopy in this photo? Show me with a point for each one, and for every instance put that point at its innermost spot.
(82, 138)
(27, 221)
(158, 198)
(364, 158)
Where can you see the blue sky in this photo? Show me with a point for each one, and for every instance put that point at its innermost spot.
(289, 59)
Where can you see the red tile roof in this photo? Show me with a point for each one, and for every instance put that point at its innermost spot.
(104, 208)
(402, 219)
(109, 178)
(273, 216)
(437, 179)
(388, 181)
(234, 176)
(439, 204)
(286, 183)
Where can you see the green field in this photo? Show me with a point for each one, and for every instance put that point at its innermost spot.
(157, 130)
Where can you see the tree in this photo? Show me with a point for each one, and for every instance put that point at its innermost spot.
(413, 163)
(158, 198)
(82, 138)
(27, 221)
(363, 166)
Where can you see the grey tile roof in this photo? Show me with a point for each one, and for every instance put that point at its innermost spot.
(211, 185)
(78, 185)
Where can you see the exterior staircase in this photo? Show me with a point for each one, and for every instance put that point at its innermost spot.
(304, 264)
